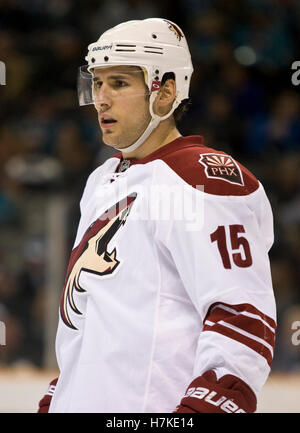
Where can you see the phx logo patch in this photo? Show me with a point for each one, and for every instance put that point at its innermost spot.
(224, 167)
(176, 30)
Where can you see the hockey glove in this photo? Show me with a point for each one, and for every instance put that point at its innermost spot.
(206, 394)
(46, 400)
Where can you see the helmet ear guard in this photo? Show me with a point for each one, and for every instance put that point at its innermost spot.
(157, 46)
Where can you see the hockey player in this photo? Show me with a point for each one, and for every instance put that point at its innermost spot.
(168, 303)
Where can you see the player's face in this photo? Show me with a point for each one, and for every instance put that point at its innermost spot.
(120, 98)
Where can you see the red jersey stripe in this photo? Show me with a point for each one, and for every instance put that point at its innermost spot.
(253, 344)
(245, 324)
(246, 309)
(250, 324)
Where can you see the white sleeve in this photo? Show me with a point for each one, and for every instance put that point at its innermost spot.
(221, 254)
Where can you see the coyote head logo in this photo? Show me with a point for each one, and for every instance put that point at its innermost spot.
(176, 30)
(91, 254)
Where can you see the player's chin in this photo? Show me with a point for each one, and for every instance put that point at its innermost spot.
(111, 139)
(108, 137)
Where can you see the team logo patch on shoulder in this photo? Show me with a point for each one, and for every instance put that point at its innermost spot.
(224, 167)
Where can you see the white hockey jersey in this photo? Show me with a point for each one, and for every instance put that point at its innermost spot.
(169, 277)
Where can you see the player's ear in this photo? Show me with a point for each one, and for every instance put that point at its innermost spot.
(165, 98)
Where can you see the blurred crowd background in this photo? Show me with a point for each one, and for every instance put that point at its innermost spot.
(243, 102)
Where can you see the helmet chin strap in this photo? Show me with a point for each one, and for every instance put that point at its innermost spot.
(153, 124)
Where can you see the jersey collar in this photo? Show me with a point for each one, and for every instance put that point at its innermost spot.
(173, 146)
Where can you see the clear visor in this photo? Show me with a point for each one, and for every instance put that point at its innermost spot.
(104, 84)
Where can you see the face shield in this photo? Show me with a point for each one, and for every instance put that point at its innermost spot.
(111, 83)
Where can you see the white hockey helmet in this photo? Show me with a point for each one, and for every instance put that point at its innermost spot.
(156, 45)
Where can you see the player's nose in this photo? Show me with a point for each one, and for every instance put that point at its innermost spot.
(102, 98)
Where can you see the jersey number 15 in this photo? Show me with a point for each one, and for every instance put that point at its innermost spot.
(237, 242)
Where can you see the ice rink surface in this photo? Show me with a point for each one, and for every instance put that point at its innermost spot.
(23, 387)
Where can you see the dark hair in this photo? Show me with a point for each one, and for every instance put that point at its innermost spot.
(184, 104)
